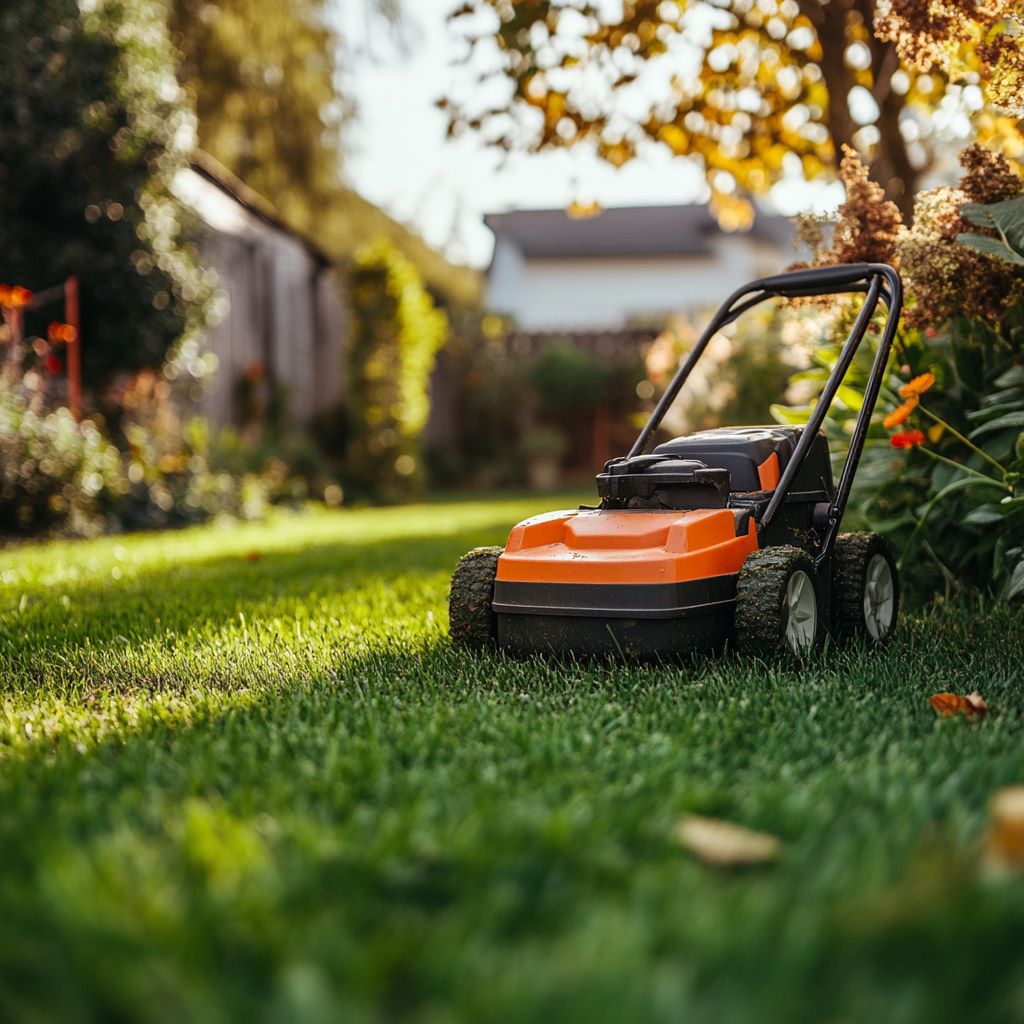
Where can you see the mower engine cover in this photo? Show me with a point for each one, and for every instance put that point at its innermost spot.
(606, 581)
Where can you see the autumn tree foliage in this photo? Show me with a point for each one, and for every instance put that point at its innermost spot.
(268, 80)
(753, 90)
(262, 76)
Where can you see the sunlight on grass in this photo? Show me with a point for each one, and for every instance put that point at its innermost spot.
(247, 777)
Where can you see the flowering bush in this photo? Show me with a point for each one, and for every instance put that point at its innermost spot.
(948, 482)
(54, 473)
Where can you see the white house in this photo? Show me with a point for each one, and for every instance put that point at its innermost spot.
(625, 266)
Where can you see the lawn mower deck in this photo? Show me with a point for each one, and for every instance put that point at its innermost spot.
(723, 535)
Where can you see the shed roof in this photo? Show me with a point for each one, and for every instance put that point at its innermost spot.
(216, 173)
(683, 230)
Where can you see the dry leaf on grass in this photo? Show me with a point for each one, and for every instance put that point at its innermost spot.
(724, 844)
(948, 705)
(254, 556)
(1004, 841)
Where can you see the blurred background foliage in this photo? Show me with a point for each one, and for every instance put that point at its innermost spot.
(263, 77)
(269, 80)
(95, 126)
(395, 337)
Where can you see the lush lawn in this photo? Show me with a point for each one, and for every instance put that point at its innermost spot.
(242, 777)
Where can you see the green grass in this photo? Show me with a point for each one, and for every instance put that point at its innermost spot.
(266, 790)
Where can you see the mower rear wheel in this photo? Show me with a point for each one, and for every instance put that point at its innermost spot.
(865, 588)
(471, 620)
(778, 604)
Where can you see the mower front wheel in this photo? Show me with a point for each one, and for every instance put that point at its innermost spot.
(471, 620)
(778, 604)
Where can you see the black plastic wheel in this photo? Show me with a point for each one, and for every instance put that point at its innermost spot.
(865, 588)
(471, 620)
(778, 604)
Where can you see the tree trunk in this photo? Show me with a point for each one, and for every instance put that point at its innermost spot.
(830, 24)
(891, 166)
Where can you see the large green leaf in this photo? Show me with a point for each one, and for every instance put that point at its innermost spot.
(1011, 402)
(851, 397)
(1012, 419)
(987, 515)
(791, 414)
(1013, 377)
(1006, 217)
(1016, 584)
(1005, 397)
(992, 246)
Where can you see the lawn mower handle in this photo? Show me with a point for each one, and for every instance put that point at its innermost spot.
(881, 283)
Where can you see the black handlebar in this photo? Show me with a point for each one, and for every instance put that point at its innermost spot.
(796, 281)
(881, 283)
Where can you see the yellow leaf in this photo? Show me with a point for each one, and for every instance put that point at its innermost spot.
(724, 844)
(675, 138)
(733, 213)
(1004, 840)
(580, 211)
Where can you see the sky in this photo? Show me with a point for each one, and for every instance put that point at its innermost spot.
(398, 157)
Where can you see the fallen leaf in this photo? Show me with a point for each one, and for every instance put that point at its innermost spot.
(948, 705)
(1004, 840)
(253, 556)
(724, 844)
(977, 703)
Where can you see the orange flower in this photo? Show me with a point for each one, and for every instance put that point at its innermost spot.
(900, 415)
(909, 439)
(17, 297)
(918, 386)
(61, 332)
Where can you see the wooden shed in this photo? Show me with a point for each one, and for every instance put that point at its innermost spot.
(281, 326)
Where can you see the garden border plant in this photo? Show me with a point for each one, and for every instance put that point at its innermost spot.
(955, 496)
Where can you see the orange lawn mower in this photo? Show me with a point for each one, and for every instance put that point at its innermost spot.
(725, 536)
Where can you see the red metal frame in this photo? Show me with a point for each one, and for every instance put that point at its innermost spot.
(15, 318)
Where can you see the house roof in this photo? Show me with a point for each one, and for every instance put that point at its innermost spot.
(625, 231)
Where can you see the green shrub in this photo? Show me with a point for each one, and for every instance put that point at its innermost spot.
(55, 474)
(59, 476)
(396, 334)
(567, 380)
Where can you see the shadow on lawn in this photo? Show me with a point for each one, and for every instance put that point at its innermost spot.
(214, 592)
(348, 824)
